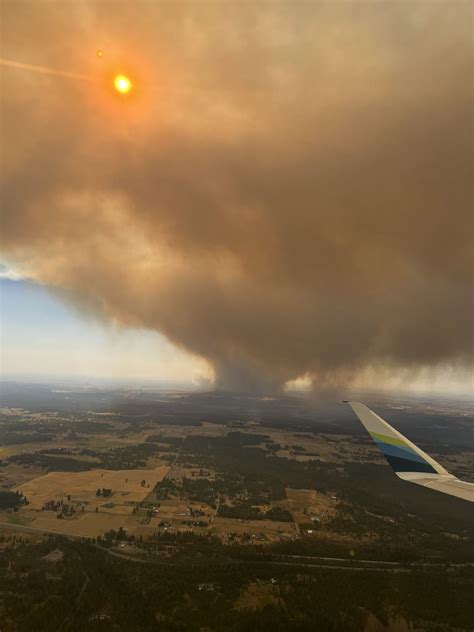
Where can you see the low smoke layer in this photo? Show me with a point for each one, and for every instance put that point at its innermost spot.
(286, 192)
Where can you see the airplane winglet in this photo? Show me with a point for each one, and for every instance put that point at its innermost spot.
(407, 460)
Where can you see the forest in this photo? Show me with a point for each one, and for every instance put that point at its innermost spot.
(71, 585)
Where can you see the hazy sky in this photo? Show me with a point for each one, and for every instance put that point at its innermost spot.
(286, 191)
(42, 336)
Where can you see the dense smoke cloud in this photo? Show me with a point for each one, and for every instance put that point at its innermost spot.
(287, 192)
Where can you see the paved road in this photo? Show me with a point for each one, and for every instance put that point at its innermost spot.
(338, 563)
(22, 527)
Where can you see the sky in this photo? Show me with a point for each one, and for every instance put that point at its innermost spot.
(44, 337)
(284, 194)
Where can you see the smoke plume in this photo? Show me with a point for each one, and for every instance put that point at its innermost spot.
(287, 191)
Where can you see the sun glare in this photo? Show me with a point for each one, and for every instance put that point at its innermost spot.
(122, 84)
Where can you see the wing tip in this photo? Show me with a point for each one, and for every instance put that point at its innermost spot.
(407, 460)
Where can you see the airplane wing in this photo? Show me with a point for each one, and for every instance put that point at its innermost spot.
(407, 460)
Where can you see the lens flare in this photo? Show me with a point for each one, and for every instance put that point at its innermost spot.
(122, 84)
(44, 70)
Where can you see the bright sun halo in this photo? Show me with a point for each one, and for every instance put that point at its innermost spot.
(122, 84)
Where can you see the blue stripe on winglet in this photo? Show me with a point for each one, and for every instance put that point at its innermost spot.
(398, 451)
(408, 465)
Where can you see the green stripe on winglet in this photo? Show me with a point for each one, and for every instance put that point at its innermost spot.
(390, 440)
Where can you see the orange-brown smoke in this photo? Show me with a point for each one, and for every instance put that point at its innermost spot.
(288, 192)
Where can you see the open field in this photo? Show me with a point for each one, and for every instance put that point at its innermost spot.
(305, 504)
(94, 515)
(96, 442)
(81, 486)
(87, 524)
(257, 530)
(13, 475)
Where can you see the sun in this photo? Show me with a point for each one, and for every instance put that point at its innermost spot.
(122, 84)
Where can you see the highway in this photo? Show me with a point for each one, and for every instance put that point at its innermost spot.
(337, 563)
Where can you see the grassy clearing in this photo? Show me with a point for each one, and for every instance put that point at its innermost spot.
(88, 524)
(81, 486)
